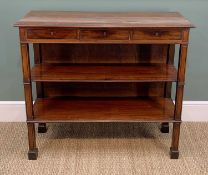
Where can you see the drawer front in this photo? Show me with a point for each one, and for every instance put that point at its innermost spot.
(51, 34)
(157, 35)
(104, 34)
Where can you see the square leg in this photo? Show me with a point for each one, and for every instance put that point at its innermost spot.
(33, 151)
(174, 152)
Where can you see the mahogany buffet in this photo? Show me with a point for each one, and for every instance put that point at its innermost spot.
(103, 67)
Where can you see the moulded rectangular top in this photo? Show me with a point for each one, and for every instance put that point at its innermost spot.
(103, 19)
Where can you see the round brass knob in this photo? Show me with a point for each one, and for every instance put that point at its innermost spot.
(157, 34)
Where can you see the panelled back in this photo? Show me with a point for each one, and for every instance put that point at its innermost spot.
(102, 53)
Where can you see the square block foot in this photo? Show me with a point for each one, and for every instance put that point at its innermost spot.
(42, 128)
(174, 154)
(164, 128)
(33, 154)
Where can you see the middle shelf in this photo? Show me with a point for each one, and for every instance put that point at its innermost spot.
(103, 73)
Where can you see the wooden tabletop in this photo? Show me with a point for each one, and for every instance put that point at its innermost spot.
(103, 19)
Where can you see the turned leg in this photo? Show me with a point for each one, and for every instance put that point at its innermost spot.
(164, 128)
(174, 153)
(42, 128)
(33, 150)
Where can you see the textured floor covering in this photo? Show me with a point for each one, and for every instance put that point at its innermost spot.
(104, 148)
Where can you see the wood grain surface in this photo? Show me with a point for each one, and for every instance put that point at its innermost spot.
(103, 109)
(104, 73)
(103, 19)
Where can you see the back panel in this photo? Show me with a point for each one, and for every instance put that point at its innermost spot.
(101, 53)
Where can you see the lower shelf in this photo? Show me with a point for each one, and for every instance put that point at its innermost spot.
(104, 110)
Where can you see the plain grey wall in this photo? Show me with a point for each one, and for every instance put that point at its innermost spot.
(195, 10)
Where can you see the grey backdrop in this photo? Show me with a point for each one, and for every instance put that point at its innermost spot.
(195, 10)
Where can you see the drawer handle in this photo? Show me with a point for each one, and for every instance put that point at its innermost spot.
(157, 34)
(104, 33)
(52, 33)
